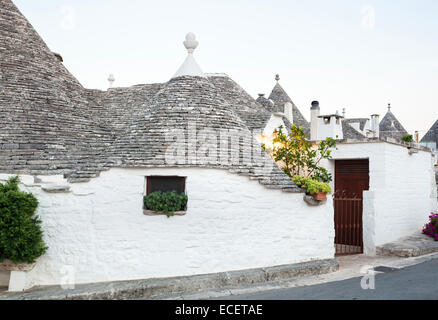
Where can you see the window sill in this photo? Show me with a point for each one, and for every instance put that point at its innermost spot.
(159, 213)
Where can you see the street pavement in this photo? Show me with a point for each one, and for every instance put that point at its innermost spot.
(415, 282)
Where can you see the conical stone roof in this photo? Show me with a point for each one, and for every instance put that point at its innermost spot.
(45, 120)
(390, 127)
(189, 124)
(280, 98)
(52, 125)
(432, 135)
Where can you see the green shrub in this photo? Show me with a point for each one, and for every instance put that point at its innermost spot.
(407, 138)
(166, 202)
(311, 185)
(21, 236)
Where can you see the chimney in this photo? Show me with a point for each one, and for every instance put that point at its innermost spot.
(417, 137)
(288, 112)
(343, 112)
(111, 80)
(314, 114)
(375, 126)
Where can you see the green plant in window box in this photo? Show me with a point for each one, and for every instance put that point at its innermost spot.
(167, 202)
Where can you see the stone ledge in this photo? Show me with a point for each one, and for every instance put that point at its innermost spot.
(150, 288)
(411, 246)
(312, 202)
(56, 188)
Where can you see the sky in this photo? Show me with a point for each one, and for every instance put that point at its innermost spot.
(352, 54)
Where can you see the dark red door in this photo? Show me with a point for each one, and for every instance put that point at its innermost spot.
(351, 179)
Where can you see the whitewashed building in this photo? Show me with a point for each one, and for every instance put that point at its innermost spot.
(90, 157)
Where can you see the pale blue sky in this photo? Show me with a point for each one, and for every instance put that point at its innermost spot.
(345, 53)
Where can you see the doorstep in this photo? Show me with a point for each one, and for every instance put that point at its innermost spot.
(150, 288)
(411, 246)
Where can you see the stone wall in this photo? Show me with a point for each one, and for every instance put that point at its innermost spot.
(98, 231)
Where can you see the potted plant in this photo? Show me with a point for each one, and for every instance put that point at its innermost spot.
(167, 203)
(318, 190)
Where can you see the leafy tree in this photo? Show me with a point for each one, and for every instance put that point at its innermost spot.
(299, 157)
(21, 236)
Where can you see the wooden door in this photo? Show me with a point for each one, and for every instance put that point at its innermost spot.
(351, 179)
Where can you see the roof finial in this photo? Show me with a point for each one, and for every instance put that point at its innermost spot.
(190, 67)
(191, 44)
(389, 107)
(277, 77)
(111, 80)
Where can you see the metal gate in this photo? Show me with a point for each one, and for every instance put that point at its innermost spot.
(348, 223)
(351, 179)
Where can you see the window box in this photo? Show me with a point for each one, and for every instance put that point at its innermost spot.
(148, 212)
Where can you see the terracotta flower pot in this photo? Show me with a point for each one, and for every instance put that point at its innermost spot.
(7, 265)
(320, 196)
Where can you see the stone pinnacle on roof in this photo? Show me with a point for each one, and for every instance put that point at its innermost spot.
(390, 126)
(190, 67)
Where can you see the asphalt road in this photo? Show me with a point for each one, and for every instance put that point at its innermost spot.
(414, 282)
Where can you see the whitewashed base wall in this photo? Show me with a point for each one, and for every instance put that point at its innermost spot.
(98, 232)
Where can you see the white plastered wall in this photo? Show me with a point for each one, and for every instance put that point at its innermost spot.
(98, 232)
(402, 192)
(275, 121)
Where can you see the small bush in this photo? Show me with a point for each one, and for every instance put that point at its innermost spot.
(311, 185)
(21, 236)
(407, 138)
(167, 202)
(431, 229)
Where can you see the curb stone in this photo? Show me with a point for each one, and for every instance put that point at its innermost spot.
(125, 290)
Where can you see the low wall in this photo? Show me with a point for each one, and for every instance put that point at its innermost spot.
(98, 231)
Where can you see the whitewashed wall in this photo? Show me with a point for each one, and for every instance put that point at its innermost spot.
(99, 230)
(275, 121)
(402, 190)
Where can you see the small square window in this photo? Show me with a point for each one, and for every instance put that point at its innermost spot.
(165, 184)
